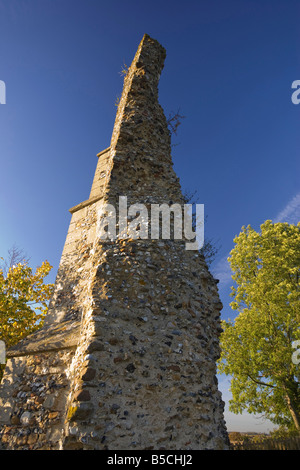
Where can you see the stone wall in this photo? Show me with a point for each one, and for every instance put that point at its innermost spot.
(133, 327)
(33, 395)
(145, 376)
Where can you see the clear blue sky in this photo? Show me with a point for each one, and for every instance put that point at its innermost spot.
(229, 68)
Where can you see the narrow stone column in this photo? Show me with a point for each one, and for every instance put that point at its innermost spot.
(127, 356)
(144, 373)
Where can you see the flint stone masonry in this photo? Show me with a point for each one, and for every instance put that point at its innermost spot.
(127, 356)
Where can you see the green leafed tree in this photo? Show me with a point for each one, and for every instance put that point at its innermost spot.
(24, 298)
(258, 346)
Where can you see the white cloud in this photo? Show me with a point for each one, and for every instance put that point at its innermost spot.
(291, 212)
(222, 271)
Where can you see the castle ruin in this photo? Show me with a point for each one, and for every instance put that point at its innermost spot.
(126, 359)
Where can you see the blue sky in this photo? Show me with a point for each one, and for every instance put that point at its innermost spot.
(229, 69)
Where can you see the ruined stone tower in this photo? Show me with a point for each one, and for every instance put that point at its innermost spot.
(126, 358)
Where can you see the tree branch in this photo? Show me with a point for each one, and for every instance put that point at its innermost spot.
(260, 383)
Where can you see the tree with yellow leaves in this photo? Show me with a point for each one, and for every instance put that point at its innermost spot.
(23, 300)
(257, 347)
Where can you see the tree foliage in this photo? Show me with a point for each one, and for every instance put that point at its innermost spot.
(23, 300)
(257, 348)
